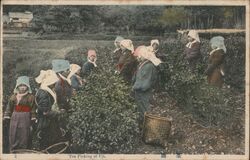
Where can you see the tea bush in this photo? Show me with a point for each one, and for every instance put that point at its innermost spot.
(209, 105)
(235, 62)
(104, 117)
(77, 56)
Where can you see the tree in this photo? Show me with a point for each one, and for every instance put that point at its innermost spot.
(173, 17)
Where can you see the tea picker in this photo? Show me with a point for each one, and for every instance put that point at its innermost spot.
(127, 63)
(192, 50)
(144, 78)
(20, 112)
(48, 130)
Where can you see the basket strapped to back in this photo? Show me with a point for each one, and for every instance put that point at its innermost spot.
(156, 129)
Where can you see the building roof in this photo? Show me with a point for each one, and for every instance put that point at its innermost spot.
(26, 15)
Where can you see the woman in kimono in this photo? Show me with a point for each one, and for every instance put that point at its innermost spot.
(75, 80)
(48, 129)
(145, 78)
(215, 69)
(63, 88)
(21, 113)
(192, 50)
(64, 93)
(90, 64)
(118, 51)
(127, 63)
(154, 47)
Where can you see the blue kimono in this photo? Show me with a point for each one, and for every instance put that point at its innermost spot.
(145, 79)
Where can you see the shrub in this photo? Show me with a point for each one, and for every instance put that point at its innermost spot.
(104, 117)
(209, 105)
(216, 107)
(77, 56)
(235, 62)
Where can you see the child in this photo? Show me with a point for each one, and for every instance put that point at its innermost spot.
(21, 112)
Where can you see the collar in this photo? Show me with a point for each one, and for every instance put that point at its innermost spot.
(189, 44)
(212, 52)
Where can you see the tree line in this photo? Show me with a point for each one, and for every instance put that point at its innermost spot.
(131, 19)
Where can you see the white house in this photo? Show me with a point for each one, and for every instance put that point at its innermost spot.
(21, 19)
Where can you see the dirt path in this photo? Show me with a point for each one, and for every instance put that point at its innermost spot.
(189, 137)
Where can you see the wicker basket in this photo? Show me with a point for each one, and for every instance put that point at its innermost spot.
(57, 148)
(26, 151)
(54, 149)
(156, 129)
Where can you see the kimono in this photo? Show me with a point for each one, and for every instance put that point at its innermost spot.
(20, 121)
(75, 82)
(215, 69)
(116, 56)
(192, 55)
(127, 66)
(63, 93)
(144, 81)
(48, 128)
(161, 78)
(87, 68)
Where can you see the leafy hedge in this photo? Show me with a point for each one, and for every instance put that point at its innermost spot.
(209, 105)
(235, 62)
(104, 117)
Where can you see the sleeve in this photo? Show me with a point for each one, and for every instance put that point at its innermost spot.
(129, 64)
(85, 70)
(123, 61)
(161, 56)
(193, 52)
(63, 94)
(147, 79)
(216, 60)
(33, 106)
(134, 78)
(43, 102)
(59, 94)
(74, 82)
(10, 107)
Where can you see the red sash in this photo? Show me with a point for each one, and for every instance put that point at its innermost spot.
(20, 108)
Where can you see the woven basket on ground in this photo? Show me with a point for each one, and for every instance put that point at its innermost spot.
(156, 129)
(53, 149)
